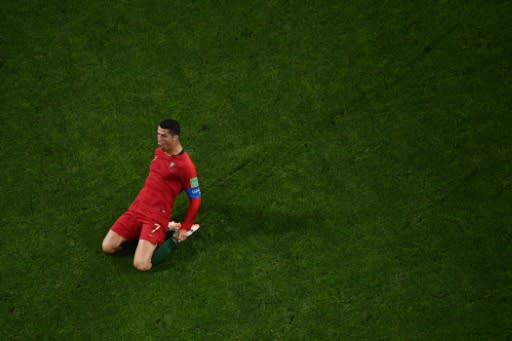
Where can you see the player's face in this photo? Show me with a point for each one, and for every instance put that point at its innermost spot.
(165, 140)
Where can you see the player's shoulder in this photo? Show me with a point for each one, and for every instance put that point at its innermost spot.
(187, 157)
(187, 160)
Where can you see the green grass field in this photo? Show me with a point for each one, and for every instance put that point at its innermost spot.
(354, 158)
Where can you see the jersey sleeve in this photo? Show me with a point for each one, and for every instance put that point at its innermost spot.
(193, 191)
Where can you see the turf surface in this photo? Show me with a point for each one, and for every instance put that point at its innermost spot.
(354, 158)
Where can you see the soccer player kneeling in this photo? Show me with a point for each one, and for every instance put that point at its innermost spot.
(147, 219)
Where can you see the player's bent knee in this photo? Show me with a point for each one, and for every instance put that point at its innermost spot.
(112, 242)
(108, 248)
(143, 253)
(142, 265)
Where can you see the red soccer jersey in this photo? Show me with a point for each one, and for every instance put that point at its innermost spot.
(168, 177)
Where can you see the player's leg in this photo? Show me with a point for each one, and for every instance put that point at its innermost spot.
(143, 254)
(151, 235)
(125, 228)
(164, 250)
(153, 249)
(112, 242)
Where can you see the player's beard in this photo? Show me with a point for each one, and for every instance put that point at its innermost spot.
(165, 147)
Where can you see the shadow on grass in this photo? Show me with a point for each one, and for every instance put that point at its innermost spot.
(236, 223)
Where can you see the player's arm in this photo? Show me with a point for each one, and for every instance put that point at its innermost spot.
(192, 211)
(193, 192)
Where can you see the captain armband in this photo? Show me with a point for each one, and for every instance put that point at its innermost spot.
(193, 193)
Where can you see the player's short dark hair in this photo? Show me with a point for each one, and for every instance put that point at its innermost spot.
(172, 125)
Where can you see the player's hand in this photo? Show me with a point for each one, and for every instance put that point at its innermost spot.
(173, 225)
(181, 235)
